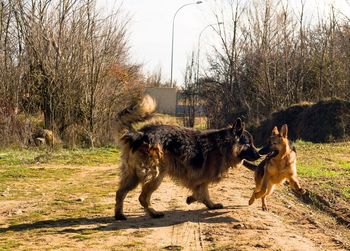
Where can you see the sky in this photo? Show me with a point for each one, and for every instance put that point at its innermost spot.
(151, 25)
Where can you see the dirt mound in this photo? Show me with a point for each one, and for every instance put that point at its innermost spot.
(325, 121)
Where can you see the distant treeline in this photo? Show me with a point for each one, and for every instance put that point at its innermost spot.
(270, 56)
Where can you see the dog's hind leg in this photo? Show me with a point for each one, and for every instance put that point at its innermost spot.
(201, 194)
(127, 182)
(145, 197)
(269, 191)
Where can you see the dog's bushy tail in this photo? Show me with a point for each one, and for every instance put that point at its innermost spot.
(137, 113)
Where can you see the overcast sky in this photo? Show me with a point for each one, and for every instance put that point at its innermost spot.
(151, 22)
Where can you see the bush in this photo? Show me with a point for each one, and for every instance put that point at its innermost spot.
(325, 121)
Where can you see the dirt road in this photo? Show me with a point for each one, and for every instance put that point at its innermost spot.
(289, 225)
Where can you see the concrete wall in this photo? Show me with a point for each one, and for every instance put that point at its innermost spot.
(165, 98)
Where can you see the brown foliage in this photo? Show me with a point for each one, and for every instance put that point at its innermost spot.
(65, 60)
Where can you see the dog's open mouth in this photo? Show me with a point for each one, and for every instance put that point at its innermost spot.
(272, 154)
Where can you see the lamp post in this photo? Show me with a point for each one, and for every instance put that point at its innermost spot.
(172, 40)
(199, 41)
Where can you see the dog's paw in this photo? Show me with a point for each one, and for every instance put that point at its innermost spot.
(251, 201)
(216, 206)
(264, 208)
(119, 217)
(301, 191)
(190, 200)
(157, 215)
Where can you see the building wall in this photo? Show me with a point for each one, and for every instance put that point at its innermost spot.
(165, 98)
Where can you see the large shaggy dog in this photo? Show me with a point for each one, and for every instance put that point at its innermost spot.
(194, 158)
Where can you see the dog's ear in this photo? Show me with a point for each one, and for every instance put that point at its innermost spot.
(238, 126)
(275, 131)
(284, 131)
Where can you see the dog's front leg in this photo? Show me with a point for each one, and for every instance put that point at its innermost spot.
(263, 203)
(294, 183)
(126, 184)
(258, 194)
(145, 196)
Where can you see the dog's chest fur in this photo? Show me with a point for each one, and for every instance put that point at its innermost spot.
(281, 168)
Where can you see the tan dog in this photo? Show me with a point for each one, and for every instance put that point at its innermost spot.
(280, 165)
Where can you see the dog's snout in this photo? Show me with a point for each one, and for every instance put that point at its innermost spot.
(257, 155)
(265, 150)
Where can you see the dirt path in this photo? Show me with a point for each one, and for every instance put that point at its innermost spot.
(289, 225)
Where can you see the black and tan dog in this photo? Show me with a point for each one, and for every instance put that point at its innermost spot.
(193, 158)
(278, 166)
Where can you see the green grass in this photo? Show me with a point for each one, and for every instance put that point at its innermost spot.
(84, 157)
(18, 172)
(13, 157)
(306, 170)
(89, 157)
(29, 172)
(346, 192)
(15, 180)
(323, 160)
(9, 244)
(343, 164)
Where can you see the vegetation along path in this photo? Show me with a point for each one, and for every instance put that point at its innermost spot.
(65, 201)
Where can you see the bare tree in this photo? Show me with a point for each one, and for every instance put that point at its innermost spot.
(66, 60)
(270, 58)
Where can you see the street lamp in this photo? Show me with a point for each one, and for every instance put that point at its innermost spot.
(199, 41)
(172, 40)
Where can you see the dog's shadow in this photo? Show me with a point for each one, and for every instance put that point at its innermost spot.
(104, 223)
